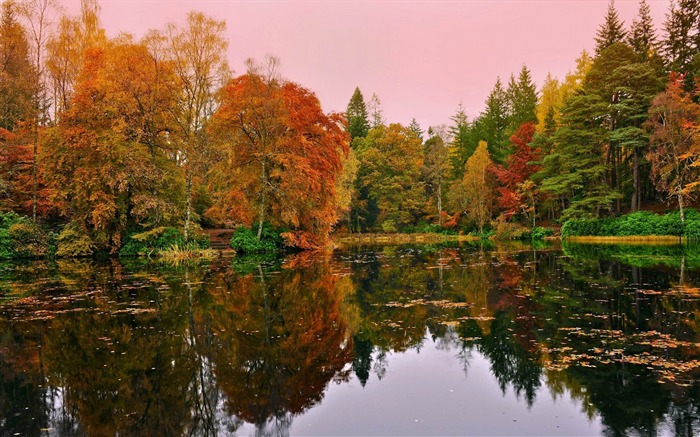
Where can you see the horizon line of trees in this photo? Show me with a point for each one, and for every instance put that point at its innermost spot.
(115, 138)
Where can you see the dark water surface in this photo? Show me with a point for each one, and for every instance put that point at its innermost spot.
(584, 340)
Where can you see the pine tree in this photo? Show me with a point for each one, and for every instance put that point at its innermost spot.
(415, 128)
(358, 123)
(611, 31)
(642, 37)
(523, 100)
(495, 122)
(680, 45)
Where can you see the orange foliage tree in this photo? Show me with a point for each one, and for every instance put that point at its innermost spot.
(517, 169)
(107, 159)
(280, 158)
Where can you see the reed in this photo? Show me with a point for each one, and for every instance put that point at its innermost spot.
(177, 253)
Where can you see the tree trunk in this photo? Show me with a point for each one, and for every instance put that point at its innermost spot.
(34, 167)
(680, 205)
(439, 202)
(263, 182)
(635, 182)
(188, 203)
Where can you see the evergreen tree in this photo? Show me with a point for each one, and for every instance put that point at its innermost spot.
(461, 144)
(681, 44)
(611, 31)
(358, 123)
(495, 122)
(415, 128)
(576, 169)
(642, 37)
(523, 100)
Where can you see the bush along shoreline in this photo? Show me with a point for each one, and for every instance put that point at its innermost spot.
(21, 238)
(637, 226)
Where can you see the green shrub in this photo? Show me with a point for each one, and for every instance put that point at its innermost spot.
(29, 240)
(245, 240)
(641, 223)
(537, 233)
(160, 239)
(74, 242)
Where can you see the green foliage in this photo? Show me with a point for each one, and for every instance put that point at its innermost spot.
(423, 227)
(21, 238)
(74, 242)
(245, 240)
(161, 239)
(537, 233)
(641, 223)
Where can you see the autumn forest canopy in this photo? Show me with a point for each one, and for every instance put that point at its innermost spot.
(118, 144)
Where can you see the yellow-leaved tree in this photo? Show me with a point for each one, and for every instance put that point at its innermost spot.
(473, 196)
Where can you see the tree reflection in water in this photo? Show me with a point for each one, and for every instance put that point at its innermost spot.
(150, 349)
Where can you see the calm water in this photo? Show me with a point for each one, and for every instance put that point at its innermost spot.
(368, 341)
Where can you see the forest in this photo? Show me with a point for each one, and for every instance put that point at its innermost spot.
(125, 146)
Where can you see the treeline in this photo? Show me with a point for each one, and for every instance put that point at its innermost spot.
(114, 143)
(619, 132)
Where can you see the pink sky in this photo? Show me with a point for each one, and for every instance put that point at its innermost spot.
(420, 57)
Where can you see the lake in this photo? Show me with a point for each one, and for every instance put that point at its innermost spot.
(402, 340)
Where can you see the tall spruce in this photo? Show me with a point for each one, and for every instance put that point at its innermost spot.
(358, 121)
(495, 122)
(611, 31)
(523, 100)
(642, 36)
(681, 39)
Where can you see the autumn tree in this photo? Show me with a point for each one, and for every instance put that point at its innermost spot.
(282, 158)
(473, 194)
(39, 16)
(66, 48)
(18, 80)
(390, 168)
(198, 53)
(107, 161)
(358, 123)
(517, 168)
(673, 123)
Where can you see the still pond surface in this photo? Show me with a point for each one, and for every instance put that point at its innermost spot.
(580, 340)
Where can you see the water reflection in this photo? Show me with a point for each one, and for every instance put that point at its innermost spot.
(254, 345)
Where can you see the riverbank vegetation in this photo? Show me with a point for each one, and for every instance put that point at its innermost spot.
(118, 144)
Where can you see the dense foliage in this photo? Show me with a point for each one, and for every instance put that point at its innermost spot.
(640, 223)
(108, 141)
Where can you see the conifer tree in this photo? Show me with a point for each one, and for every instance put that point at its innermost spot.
(523, 100)
(642, 36)
(611, 31)
(681, 42)
(495, 122)
(358, 123)
(415, 128)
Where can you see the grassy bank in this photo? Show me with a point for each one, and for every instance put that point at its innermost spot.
(369, 239)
